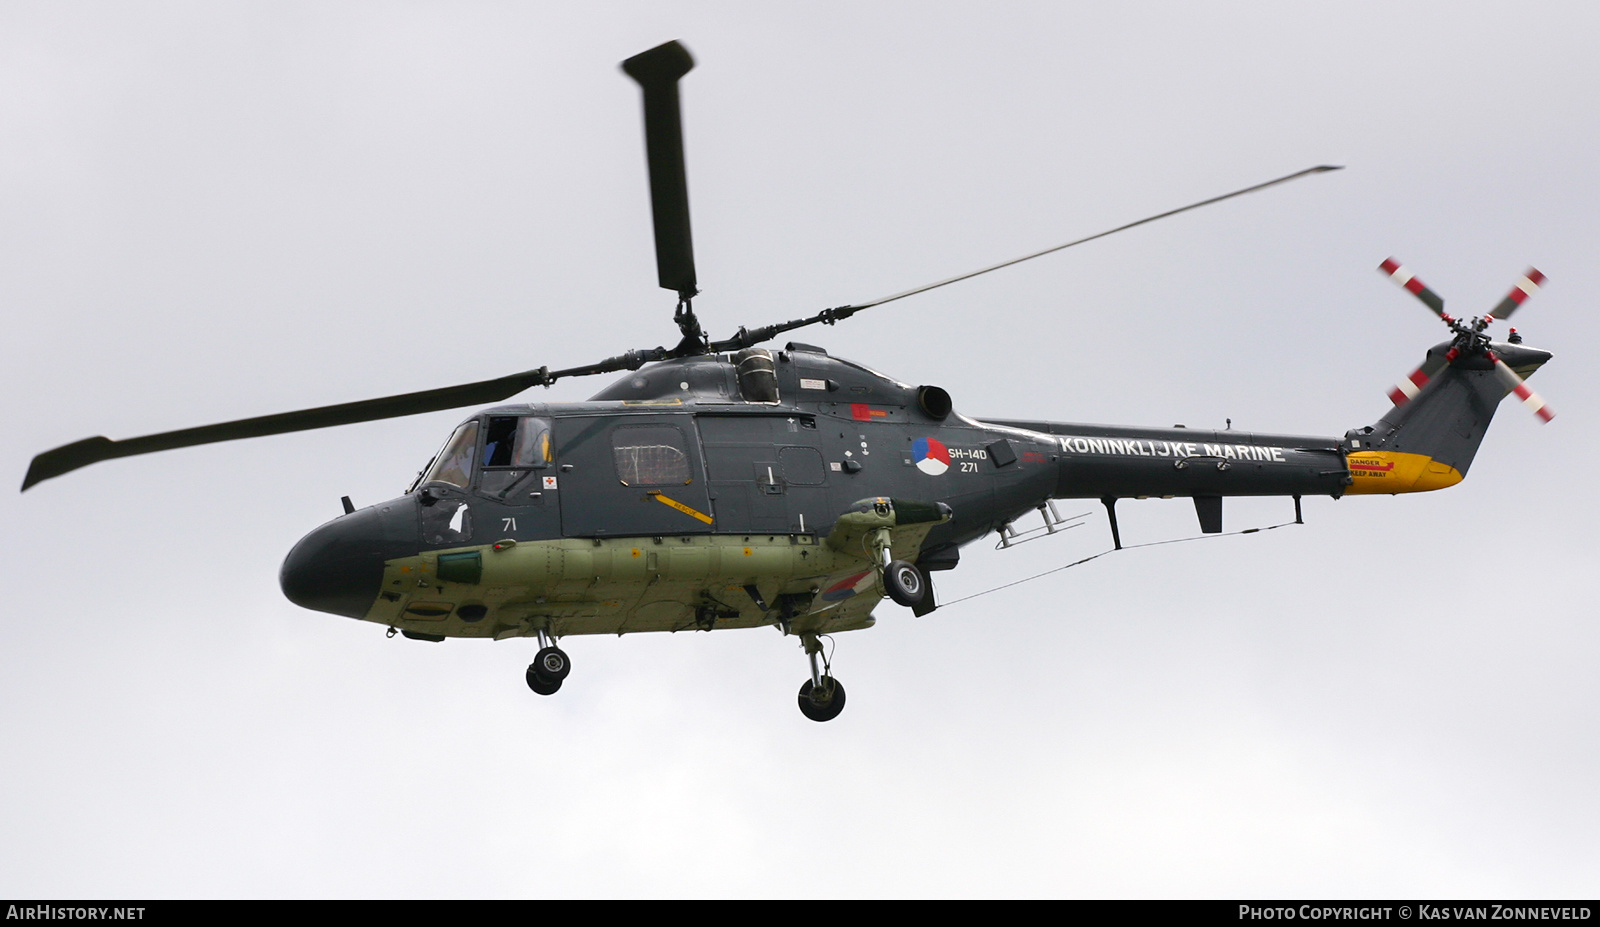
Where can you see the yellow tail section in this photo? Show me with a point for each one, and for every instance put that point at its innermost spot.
(1397, 472)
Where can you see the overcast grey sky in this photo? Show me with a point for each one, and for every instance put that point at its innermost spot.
(215, 211)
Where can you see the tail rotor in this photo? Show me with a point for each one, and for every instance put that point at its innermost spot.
(1470, 344)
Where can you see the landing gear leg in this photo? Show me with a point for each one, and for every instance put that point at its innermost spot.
(822, 696)
(549, 667)
(902, 581)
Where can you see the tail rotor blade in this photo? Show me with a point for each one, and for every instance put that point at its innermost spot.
(1399, 274)
(1408, 388)
(1526, 287)
(1516, 384)
(658, 71)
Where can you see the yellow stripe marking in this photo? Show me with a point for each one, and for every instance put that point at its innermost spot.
(681, 507)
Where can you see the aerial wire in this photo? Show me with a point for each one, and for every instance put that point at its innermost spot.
(1112, 550)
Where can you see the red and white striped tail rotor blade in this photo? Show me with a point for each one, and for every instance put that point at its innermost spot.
(1399, 274)
(1408, 388)
(1516, 384)
(1526, 287)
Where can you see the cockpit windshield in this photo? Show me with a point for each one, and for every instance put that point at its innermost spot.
(454, 463)
(512, 446)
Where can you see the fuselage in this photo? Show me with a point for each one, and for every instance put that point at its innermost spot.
(674, 500)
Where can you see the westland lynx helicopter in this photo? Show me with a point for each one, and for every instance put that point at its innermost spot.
(726, 485)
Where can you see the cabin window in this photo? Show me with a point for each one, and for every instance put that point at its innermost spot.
(454, 463)
(650, 455)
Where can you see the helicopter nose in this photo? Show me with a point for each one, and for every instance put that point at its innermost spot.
(338, 568)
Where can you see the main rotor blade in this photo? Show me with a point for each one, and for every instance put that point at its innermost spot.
(78, 454)
(657, 72)
(92, 450)
(744, 338)
(1121, 228)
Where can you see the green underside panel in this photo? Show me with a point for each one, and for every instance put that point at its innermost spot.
(628, 585)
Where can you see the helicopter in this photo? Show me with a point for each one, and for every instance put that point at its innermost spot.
(722, 484)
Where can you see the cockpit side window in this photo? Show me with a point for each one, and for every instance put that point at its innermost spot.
(532, 448)
(497, 441)
(454, 463)
(517, 441)
(513, 445)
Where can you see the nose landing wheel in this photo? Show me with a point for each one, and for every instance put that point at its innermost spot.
(541, 684)
(549, 667)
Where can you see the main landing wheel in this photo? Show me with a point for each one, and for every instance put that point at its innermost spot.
(904, 583)
(824, 702)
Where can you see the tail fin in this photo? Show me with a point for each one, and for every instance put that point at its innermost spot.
(1430, 437)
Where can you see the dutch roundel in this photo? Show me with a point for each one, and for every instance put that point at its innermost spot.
(847, 587)
(930, 456)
